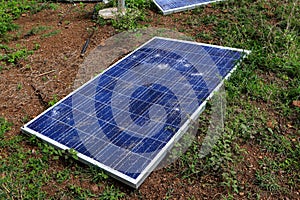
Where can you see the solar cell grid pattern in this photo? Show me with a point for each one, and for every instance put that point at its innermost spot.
(124, 118)
(170, 6)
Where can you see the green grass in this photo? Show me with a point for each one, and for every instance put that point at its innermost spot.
(275, 52)
(50, 34)
(4, 127)
(11, 10)
(53, 101)
(13, 56)
(26, 172)
(37, 30)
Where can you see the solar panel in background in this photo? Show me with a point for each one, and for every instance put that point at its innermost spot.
(125, 119)
(171, 6)
(71, 1)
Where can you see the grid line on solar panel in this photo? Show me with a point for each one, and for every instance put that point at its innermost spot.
(201, 84)
(139, 106)
(88, 114)
(79, 125)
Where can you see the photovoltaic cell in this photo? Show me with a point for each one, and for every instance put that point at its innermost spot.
(171, 6)
(125, 119)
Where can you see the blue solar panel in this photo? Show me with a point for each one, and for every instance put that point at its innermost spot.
(126, 118)
(171, 6)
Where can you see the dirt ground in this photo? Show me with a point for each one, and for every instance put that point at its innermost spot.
(51, 71)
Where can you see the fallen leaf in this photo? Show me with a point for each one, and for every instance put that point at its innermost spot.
(95, 188)
(270, 124)
(296, 103)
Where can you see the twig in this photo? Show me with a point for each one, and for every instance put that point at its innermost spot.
(7, 190)
(46, 73)
(40, 97)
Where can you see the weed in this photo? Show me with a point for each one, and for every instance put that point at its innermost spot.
(15, 55)
(25, 119)
(36, 30)
(230, 181)
(267, 181)
(135, 13)
(101, 22)
(53, 6)
(4, 127)
(11, 10)
(71, 154)
(50, 34)
(129, 20)
(111, 193)
(27, 66)
(22, 173)
(97, 174)
(19, 86)
(53, 101)
(62, 176)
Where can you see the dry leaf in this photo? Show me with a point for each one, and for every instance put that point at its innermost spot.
(296, 103)
(270, 124)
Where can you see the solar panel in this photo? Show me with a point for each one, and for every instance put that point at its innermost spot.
(126, 119)
(171, 6)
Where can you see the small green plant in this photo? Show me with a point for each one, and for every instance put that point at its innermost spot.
(36, 30)
(134, 15)
(19, 86)
(11, 10)
(53, 6)
(15, 56)
(54, 100)
(25, 119)
(97, 174)
(62, 175)
(111, 193)
(67, 22)
(4, 127)
(267, 181)
(230, 181)
(130, 20)
(50, 34)
(81, 5)
(5, 47)
(101, 22)
(71, 153)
